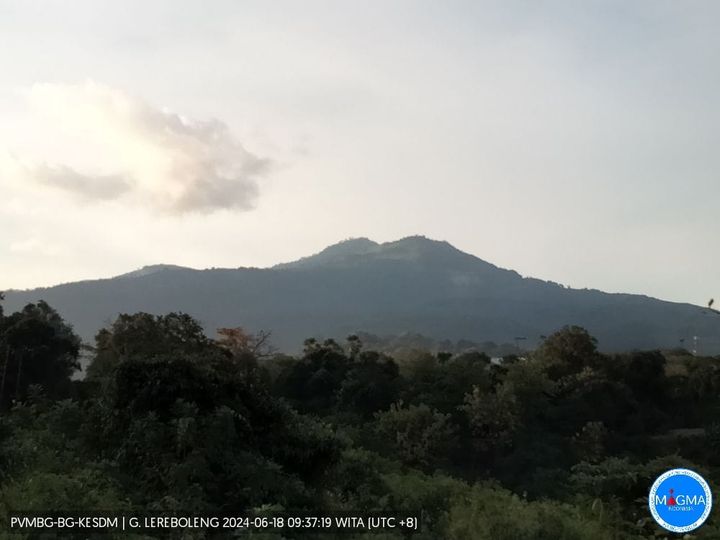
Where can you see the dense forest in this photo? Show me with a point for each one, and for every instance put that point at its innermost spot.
(562, 443)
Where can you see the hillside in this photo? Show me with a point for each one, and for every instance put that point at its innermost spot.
(413, 285)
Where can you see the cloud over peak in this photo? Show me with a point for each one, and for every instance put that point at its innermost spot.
(120, 147)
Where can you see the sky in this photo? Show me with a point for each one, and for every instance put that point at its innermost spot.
(571, 141)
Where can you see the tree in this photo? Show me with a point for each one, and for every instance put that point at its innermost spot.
(372, 383)
(243, 344)
(568, 351)
(458, 377)
(494, 417)
(198, 431)
(416, 434)
(313, 382)
(590, 441)
(37, 348)
(150, 337)
(645, 375)
(245, 348)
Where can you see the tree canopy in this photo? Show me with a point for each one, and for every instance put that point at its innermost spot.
(562, 443)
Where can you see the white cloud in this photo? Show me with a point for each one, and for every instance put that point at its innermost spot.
(116, 146)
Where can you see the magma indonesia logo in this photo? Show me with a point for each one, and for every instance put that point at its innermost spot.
(680, 500)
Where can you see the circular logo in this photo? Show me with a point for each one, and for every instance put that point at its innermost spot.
(680, 500)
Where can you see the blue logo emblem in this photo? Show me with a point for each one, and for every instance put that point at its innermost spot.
(680, 500)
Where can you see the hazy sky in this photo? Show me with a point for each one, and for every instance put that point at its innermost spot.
(572, 141)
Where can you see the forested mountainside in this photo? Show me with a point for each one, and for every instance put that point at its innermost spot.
(414, 285)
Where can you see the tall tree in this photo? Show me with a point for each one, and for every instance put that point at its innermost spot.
(38, 348)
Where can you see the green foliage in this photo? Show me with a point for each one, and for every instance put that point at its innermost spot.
(370, 385)
(568, 351)
(442, 385)
(81, 490)
(225, 444)
(416, 434)
(142, 336)
(313, 383)
(36, 348)
(494, 418)
(560, 445)
(590, 441)
(496, 514)
(431, 497)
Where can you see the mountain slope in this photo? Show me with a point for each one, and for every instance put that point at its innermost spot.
(411, 285)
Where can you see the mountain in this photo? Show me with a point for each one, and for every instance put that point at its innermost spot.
(413, 285)
(151, 269)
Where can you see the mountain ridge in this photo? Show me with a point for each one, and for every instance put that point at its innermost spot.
(414, 284)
